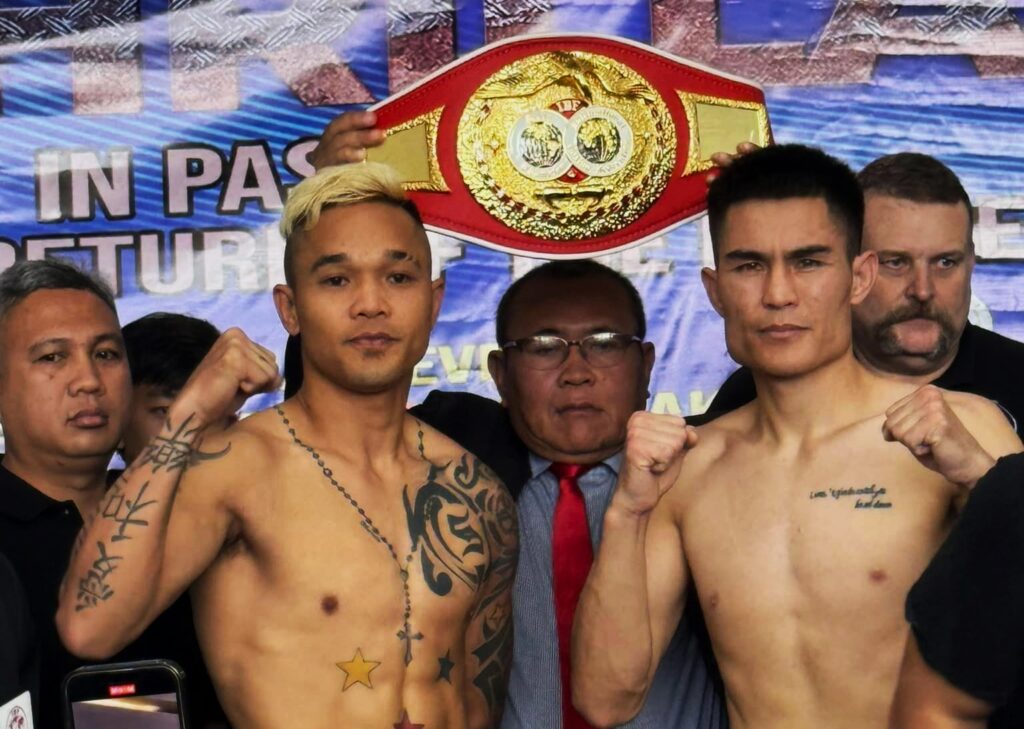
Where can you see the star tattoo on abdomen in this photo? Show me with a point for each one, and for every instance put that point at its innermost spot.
(445, 666)
(357, 670)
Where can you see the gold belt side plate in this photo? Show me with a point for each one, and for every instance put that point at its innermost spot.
(718, 125)
(410, 149)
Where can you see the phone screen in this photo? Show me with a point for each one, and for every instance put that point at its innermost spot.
(151, 711)
(126, 696)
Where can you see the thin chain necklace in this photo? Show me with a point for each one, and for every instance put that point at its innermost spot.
(405, 634)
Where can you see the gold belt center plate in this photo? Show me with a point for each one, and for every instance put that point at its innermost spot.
(566, 145)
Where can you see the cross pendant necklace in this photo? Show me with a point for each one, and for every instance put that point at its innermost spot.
(405, 634)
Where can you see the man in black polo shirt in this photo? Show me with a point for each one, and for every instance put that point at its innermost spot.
(19, 659)
(964, 665)
(65, 390)
(913, 324)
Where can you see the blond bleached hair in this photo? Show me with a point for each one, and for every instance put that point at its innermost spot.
(339, 186)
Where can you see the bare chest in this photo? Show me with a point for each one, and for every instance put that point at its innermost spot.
(848, 527)
(337, 553)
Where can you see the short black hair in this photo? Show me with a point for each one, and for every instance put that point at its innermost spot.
(785, 171)
(556, 271)
(164, 349)
(26, 277)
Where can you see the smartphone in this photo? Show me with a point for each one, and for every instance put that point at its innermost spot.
(136, 695)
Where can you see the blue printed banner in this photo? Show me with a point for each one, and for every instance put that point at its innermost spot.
(154, 140)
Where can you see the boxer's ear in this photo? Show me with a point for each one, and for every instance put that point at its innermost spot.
(284, 302)
(709, 277)
(865, 271)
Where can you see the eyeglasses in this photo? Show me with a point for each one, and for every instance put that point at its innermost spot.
(546, 352)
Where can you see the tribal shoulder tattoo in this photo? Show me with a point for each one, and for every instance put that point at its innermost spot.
(463, 524)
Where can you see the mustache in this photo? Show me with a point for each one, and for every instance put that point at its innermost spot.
(888, 343)
(916, 310)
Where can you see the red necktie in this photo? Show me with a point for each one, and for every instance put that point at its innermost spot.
(571, 556)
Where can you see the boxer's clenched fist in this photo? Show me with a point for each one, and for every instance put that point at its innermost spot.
(924, 422)
(234, 369)
(346, 138)
(655, 446)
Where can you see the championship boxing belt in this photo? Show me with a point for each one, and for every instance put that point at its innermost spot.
(565, 145)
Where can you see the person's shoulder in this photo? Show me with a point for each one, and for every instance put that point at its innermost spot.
(715, 436)
(990, 342)
(462, 464)
(721, 425)
(970, 405)
(249, 445)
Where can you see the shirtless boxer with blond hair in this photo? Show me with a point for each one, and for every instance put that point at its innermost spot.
(349, 565)
(801, 518)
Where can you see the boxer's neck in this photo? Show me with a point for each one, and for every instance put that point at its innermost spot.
(814, 403)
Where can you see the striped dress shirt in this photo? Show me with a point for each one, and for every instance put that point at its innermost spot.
(683, 696)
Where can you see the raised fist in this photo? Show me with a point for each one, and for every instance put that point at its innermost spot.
(345, 139)
(655, 446)
(234, 369)
(924, 422)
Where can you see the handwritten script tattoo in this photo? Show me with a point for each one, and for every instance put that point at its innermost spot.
(93, 588)
(177, 451)
(866, 497)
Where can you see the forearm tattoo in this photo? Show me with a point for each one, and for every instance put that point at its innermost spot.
(93, 588)
(176, 450)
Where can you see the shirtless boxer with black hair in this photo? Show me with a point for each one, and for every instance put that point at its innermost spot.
(801, 518)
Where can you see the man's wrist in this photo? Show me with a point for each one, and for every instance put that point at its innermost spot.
(623, 511)
(183, 418)
(981, 464)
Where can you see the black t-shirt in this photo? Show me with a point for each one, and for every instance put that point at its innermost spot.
(19, 659)
(986, 364)
(36, 535)
(967, 610)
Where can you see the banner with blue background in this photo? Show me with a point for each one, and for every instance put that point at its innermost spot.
(155, 140)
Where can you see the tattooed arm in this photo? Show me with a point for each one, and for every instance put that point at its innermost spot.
(126, 566)
(489, 634)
